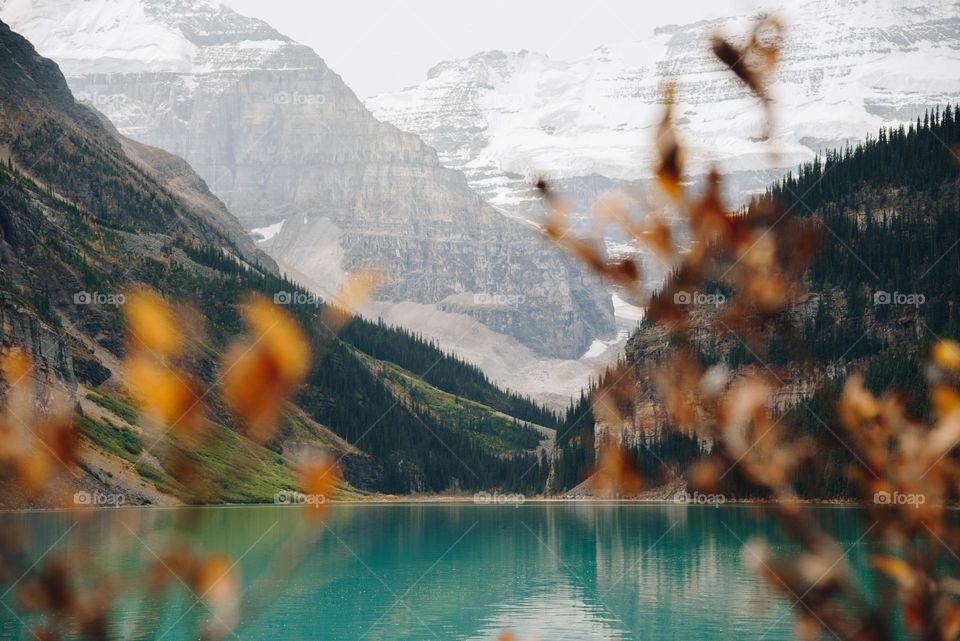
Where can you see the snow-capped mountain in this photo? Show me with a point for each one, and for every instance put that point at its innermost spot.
(848, 67)
(293, 152)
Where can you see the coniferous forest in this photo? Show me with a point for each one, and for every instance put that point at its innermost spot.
(881, 293)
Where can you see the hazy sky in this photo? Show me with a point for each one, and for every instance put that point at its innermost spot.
(384, 45)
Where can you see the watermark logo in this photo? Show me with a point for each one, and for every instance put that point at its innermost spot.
(98, 298)
(698, 298)
(298, 298)
(485, 498)
(98, 499)
(297, 98)
(897, 298)
(899, 498)
(699, 498)
(499, 300)
(102, 101)
(289, 497)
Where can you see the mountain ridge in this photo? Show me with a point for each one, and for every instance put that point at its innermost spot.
(280, 138)
(522, 113)
(81, 223)
(875, 300)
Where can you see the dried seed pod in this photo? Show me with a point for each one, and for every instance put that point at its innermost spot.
(670, 169)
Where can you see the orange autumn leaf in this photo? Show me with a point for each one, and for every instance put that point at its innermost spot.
(670, 167)
(216, 582)
(658, 237)
(705, 475)
(355, 290)
(951, 624)
(735, 59)
(321, 477)
(34, 469)
(946, 354)
(612, 404)
(253, 388)
(913, 615)
(212, 577)
(555, 223)
(857, 404)
(163, 393)
(59, 436)
(280, 335)
(15, 364)
(945, 399)
(708, 216)
(895, 568)
(615, 474)
(612, 207)
(320, 480)
(260, 371)
(753, 62)
(152, 323)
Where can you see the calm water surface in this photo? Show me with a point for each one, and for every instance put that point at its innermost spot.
(439, 572)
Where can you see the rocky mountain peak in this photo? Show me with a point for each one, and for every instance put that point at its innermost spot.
(847, 69)
(205, 24)
(287, 145)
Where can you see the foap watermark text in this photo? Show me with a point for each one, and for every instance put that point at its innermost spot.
(297, 98)
(899, 498)
(499, 300)
(486, 498)
(699, 498)
(290, 497)
(898, 298)
(98, 499)
(299, 298)
(698, 298)
(98, 298)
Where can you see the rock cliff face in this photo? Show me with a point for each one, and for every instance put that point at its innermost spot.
(87, 216)
(53, 364)
(848, 68)
(280, 139)
(82, 222)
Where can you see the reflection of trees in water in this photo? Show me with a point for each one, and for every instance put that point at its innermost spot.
(678, 565)
(560, 564)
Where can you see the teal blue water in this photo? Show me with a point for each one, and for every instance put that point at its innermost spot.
(440, 571)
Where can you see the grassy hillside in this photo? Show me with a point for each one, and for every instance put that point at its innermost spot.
(494, 430)
(442, 370)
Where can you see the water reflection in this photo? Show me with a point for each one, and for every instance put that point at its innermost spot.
(411, 572)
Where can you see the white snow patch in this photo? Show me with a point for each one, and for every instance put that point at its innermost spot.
(263, 234)
(99, 35)
(624, 310)
(599, 347)
(846, 70)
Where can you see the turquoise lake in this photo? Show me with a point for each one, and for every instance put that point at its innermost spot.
(558, 571)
